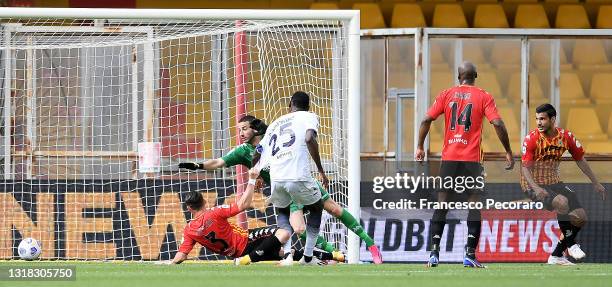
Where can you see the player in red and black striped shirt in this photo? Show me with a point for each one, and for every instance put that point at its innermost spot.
(542, 151)
(211, 228)
(464, 107)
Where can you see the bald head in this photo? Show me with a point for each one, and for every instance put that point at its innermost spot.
(467, 73)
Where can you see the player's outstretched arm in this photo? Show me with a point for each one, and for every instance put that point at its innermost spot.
(313, 149)
(586, 169)
(540, 192)
(502, 134)
(423, 131)
(207, 165)
(247, 196)
(178, 258)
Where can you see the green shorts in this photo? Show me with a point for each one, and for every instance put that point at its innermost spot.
(293, 207)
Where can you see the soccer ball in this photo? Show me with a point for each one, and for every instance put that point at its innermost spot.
(29, 249)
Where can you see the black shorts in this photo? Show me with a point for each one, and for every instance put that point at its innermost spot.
(553, 190)
(465, 176)
(257, 236)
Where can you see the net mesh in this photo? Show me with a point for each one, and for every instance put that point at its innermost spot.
(90, 105)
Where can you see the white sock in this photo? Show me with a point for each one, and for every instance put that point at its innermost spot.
(311, 240)
(287, 246)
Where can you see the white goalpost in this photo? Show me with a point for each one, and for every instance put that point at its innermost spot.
(100, 105)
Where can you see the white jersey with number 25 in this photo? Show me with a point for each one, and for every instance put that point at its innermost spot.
(284, 148)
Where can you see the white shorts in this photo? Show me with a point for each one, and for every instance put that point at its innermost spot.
(299, 192)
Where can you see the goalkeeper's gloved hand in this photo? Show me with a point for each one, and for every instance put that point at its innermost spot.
(190, 165)
(259, 126)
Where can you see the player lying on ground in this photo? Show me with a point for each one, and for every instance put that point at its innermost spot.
(464, 108)
(211, 228)
(542, 151)
(251, 131)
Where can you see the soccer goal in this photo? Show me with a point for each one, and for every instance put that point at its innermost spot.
(100, 105)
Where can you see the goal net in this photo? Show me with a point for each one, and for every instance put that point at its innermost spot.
(98, 112)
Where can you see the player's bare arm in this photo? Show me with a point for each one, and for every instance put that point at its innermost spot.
(502, 134)
(313, 149)
(210, 164)
(540, 192)
(247, 196)
(178, 258)
(586, 169)
(423, 131)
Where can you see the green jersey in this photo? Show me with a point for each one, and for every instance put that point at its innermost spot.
(243, 154)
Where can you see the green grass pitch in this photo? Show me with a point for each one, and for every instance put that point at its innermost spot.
(135, 274)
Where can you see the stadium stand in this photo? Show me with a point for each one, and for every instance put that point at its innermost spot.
(604, 17)
(371, 16)
(601, 85)
(572, 17)
(490, 16)
(531, 16)
(449, 16)
(570, 89)
(584, 123)
(324, 6)
(406, 15)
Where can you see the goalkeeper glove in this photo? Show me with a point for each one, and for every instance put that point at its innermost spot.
(259, 126)
(190, 165)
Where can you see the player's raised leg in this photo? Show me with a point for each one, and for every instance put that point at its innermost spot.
(351, 223)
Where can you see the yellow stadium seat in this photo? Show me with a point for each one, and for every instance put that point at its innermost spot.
(371, 16)
(440, 81)
(604, 17)
(531, 16)
(610, 126)
(520, 1)
(572, 17)
(480, 1)
(295, 4)
(324, 6)
(601, 88)
(598, 1)
(436, 56)
(439, 0)
(506, 53)
(589, 52)
(449, 16)
(570, 89)
(598, 146)
(491, 142)
(488, 82)
(473, 52)
(562, 1)
(490, 16)
(407, 15)
(540, 57)
(584, 124)
(535, 88)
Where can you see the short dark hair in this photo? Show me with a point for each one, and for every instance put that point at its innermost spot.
(301, 100)
(194, 200)
(548, 109)
(247, 118)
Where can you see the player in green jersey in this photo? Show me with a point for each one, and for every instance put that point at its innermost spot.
(251, 131)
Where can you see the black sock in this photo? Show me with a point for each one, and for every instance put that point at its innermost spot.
(566, 229)
(323, 255)
(571, 239)
(438, 221)
(267, 250)
(474, 223)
